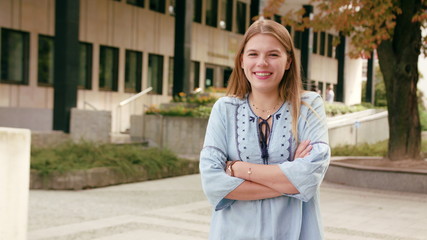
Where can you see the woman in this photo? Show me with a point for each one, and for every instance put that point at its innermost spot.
(260, 183)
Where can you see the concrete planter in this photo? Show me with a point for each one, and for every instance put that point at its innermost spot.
(102, 177)
(181, 135)
(405, 180)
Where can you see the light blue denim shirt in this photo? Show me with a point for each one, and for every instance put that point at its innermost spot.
(232, 134)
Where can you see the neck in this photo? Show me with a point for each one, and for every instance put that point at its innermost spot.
(264, 100)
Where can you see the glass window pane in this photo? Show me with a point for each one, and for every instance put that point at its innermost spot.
(209, 77)
(171, 7)
(195, 71)
(14, 56)
(139, 3)
(108, 66)
(226, 14)
(330, 47)
(278, 18)
(155, 73)
(133, 71)
(197, 17)
(45, 60)
(157, 5)
(322, 43)
(315, 42)
(241, 17)
(85, 66)
(170, 77)
(298, 39)
(211, 12)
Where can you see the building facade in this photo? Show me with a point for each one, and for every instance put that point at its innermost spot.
(126, 46)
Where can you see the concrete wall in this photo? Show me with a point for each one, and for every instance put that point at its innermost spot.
(14, 182)
(90, 125)
(182, 135)
(36, 119)
(355, 129)
(185, 135)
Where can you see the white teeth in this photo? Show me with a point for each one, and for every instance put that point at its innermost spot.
(263, 74)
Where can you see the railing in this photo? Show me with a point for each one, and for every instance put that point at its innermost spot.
(85, 103)
(127, 101)
(134, 97)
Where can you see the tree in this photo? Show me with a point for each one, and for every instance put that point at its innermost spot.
(393, 29)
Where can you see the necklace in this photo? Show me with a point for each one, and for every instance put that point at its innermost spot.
(266, 110)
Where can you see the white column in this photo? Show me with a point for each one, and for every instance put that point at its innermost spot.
(14, 182)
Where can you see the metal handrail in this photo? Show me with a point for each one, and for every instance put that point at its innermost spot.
(127, 101)
(90, 105)
(134, 97)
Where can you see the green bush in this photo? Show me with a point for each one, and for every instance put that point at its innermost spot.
(80, 156)
(181, 111)
(376, 149)
(333, 109)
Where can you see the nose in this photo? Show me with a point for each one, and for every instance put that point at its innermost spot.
(262, 61)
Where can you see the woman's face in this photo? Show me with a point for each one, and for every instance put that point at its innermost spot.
(264, 61)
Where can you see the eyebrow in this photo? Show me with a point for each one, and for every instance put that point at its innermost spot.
(254, 50)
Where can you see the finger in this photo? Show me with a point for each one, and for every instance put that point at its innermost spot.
(306, 151)
(301, 147)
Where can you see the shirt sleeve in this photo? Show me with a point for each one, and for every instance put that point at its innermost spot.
(215, 182)
(307, 173)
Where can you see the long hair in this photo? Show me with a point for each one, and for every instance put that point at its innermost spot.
(290, 87)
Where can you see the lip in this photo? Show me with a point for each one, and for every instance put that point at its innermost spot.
(262, 74)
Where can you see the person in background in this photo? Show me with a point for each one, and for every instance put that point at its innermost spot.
(266, 146)
(330, 94)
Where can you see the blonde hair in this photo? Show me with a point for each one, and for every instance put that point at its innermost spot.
(290, 87)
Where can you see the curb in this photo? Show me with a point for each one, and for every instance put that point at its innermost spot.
(103, 177)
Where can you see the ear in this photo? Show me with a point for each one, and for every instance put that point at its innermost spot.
(288, 64)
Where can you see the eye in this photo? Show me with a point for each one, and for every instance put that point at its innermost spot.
(274, 54)
(252, 54)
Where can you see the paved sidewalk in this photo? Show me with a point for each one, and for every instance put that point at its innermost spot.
(176, 209)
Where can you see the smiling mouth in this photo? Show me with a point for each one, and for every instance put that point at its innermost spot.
(262, 74)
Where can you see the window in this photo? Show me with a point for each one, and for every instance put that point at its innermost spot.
(254, 10)
(330, 46)
(209, 77)
(195, 72)
(226, 15)
(322, 43)
(197, 17)
(108, 68)
(315, 42)
(278, 18)
(170, 76)
(155, 73)
(226, 74)
(45, 60)
(241, 17)
(157, 5)
(298, 39)
(289, 28)
(211, 12)
(85, 66)
(14, 56)
(133, 71)
(171, 7)
(138, 3)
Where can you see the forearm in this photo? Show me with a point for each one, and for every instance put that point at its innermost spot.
(268, 175)
(252, 191)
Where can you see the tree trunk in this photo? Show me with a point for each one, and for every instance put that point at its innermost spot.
(398, 59)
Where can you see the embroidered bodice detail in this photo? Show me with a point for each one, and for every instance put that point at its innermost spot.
(274, 147)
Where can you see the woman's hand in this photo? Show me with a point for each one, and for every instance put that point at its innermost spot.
(229, 167)
(303, 149)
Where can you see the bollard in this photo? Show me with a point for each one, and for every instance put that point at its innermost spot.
(14, 182)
